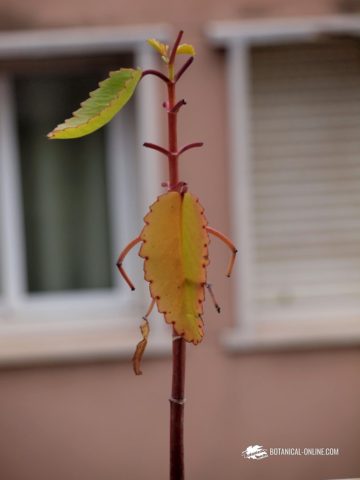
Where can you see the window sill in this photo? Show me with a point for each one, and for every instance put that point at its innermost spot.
(20, 347)
(282, 336)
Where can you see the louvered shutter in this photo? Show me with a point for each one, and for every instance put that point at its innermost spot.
(305, 148)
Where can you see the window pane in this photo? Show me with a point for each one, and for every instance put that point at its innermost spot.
(64, 188)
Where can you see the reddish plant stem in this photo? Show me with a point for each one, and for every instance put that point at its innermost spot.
(156, 73)
(172, 132)
(184, 68)
(189, 146)
(158, 148)
(178, 375)
(174, 48)
(177, 411)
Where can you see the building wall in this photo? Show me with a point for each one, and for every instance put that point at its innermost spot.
(97, 420)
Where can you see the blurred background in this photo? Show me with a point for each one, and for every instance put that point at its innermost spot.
(274, 93)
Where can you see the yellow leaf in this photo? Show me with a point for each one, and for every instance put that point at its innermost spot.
(159, 47)
(186, 49)
(175, 249)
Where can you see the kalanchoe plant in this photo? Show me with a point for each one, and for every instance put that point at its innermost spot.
(175, 238)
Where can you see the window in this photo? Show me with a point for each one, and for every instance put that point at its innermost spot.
(297, 158)
(305, 124)
(68, 207)
(64, 189)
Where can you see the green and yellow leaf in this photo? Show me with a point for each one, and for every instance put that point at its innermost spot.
(105, 102)
(175, 249)
(185, 49)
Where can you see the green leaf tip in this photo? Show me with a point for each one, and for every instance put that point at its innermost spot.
(161, 48)
(101, 106)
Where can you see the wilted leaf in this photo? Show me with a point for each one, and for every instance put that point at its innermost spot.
(185, 49)
(175, 249)
(95, 112)
(140, 348)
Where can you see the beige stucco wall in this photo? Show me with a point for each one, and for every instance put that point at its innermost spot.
(99, 421)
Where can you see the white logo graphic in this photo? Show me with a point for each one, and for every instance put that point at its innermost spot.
(255, 452)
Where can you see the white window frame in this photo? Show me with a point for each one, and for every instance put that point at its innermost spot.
(237, 38)
(100, 323)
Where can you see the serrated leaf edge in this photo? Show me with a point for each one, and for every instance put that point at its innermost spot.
(91, 94)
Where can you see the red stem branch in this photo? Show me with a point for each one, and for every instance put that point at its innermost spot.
(158, 148)
(177, 107)
(191, 145)
(176, 44)
(157, 74)
(183, 69)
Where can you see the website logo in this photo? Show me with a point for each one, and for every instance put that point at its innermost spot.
(255, 452)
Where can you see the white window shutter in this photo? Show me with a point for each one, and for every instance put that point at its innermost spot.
(305, 123)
